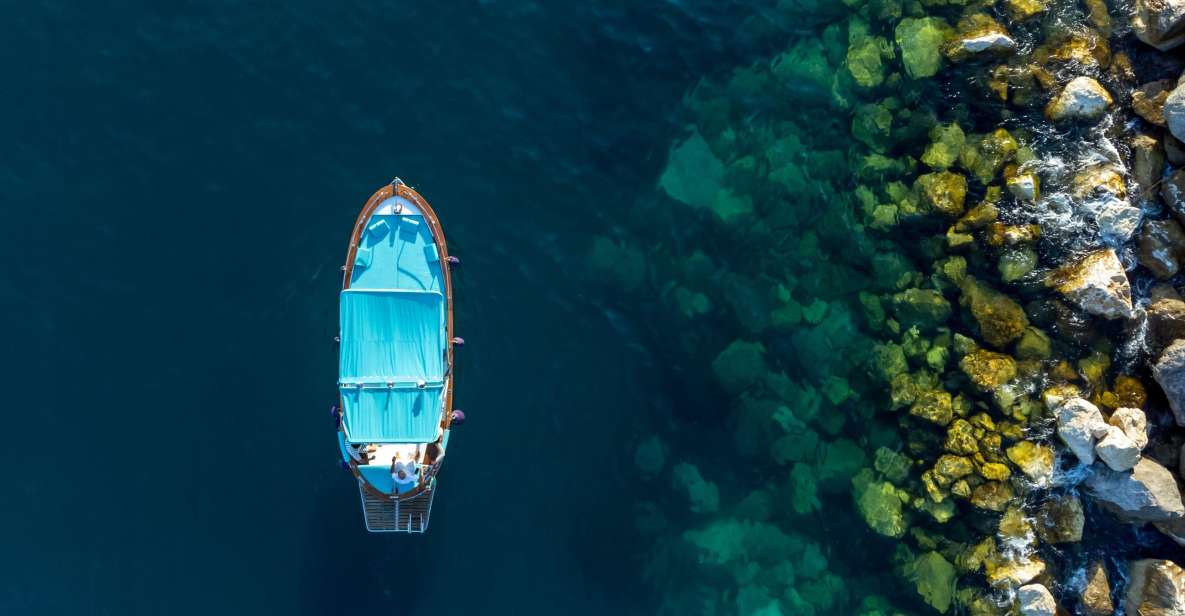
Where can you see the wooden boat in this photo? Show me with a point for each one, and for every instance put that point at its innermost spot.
(395, 363)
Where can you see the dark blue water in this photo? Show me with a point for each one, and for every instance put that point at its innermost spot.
(178, 183)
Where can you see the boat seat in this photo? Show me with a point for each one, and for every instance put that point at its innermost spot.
(409, 227)
(363, 257)
(378, 229)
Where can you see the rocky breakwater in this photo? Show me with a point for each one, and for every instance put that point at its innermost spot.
(912, 274)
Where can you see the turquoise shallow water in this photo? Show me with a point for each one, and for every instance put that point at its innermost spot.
(179, 183)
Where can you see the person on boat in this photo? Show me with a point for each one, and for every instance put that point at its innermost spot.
(433, 453)
(403, 474)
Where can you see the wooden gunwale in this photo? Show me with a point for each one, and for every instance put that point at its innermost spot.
(400, 189)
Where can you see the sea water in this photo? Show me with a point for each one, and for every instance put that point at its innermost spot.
(179, 182)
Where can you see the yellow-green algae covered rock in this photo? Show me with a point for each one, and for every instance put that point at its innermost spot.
(880, 503)
(921, 40)
(986, 156)
(946, 143)
(865, 60)
(934, 579)
(1001, 320)
(934, 406)
(944, 192)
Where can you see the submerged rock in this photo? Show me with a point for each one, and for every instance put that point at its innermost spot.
(944, 192)
(1036, 600)
(1061, 519)
(921, 40)
(1083, 99)
(879, 503)
(1159, 23)
(1155, 588)
(1097, 283)
(1096, 595)
(1079, 423)
(1169, 372)
(934, 579)
(740, 365)
(1148, 493)
(703, 496)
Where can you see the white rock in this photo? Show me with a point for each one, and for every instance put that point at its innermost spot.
(1174, 112)
(990, 42)
(1082, 99)
(1098, 284)
(1118, 222)
(1036, 600)
(1116, 450)
(1079, 423)
(1134, 424)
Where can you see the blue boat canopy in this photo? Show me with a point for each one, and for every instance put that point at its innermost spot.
(392, 364)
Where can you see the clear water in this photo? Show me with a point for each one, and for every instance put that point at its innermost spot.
(178, 184)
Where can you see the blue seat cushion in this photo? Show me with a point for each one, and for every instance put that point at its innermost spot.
(363, 256)
(378, 229)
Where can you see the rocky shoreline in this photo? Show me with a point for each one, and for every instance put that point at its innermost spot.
(930, 259)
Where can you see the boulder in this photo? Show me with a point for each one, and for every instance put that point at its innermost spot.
(1166, 323)
(1172, 191)
(1034, 460)
(978, 36)
(1160, 247)
(1001, 320)
(1174, 111)
(1148, 493)
(1159, 23)
(988, 370)
(1082, 100)
(1079, 423)
(1012, 570)
(1169, 372)
(1134, 424)
(921, 40)
(1020, 10)
(944, 192)
(1116, 450)
(1155, 588)
(1148, 100)
(1117, 221)
(1036, 600)
(1097, 283)
(1061, 519)
(1096, 595)
(1147, 165)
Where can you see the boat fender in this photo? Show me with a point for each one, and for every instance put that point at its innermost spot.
(333, 411)
(458, 417)
(458, 341)
(452, 260)
(345, 465)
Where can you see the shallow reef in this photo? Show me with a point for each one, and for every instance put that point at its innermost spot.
(917, 276)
